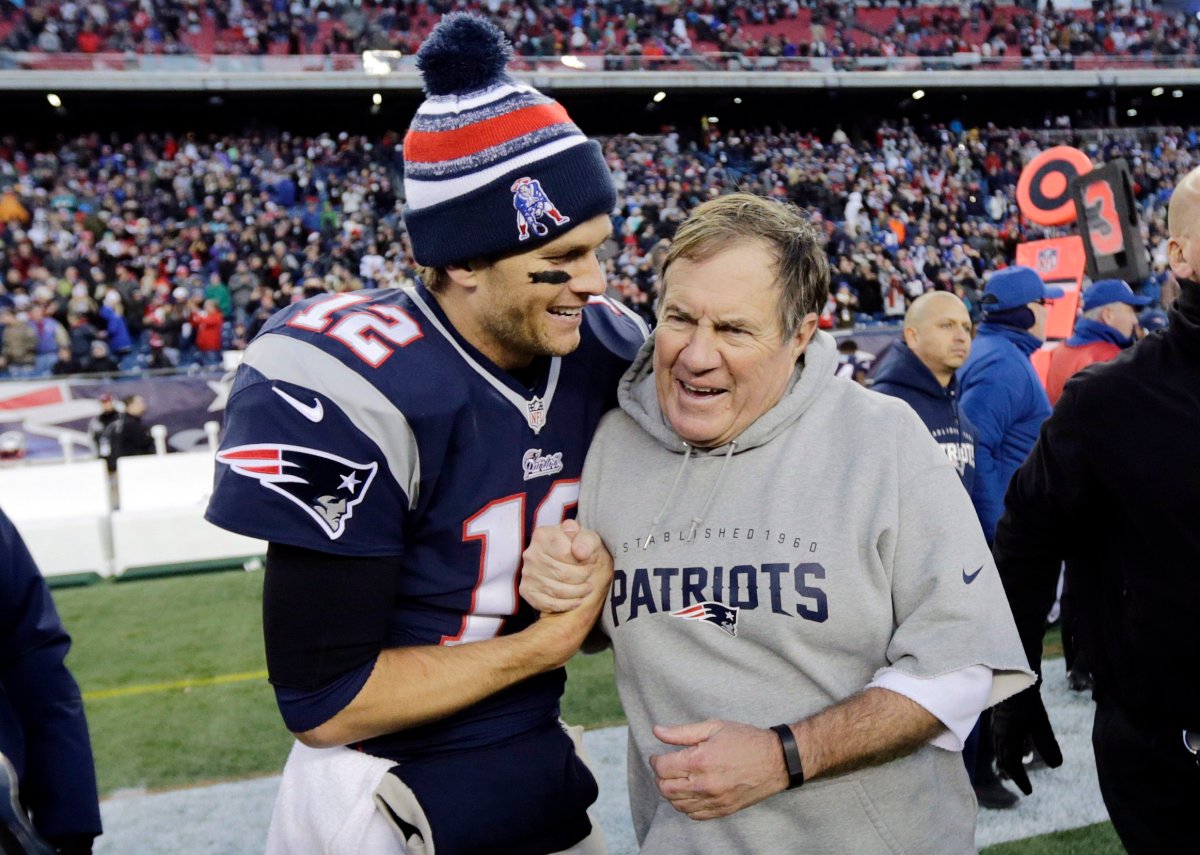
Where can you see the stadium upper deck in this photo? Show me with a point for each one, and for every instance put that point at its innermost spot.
(623, 34)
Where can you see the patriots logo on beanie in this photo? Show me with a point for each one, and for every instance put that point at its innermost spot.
(532, 204)
(483, 147)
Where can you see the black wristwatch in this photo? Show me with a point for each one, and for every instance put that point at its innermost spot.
(791, 755)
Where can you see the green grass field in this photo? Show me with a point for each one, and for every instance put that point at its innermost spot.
(174, 680)
(1098, 839)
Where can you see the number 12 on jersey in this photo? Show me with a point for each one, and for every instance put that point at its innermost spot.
(499, 526)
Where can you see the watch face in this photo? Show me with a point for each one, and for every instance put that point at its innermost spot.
(1191, 741)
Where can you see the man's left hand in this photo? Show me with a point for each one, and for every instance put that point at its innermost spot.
(725, 766)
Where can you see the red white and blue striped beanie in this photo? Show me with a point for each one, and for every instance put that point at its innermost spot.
(491, 166)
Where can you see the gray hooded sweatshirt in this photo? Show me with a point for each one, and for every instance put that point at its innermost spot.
(768, 579)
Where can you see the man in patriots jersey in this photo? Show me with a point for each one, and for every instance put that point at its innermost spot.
(396, 448)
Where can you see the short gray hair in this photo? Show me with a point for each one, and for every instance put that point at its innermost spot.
(801, 264)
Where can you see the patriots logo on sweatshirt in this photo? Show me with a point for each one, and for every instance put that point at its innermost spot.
(721, 616)
(326, 486)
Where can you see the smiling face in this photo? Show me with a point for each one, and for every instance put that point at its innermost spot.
(720, 358)
(529, 304)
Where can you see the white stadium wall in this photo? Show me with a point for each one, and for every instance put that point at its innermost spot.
(161, 518)
(64, 513)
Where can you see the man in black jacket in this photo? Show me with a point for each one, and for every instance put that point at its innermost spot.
(132, 436)
(1114, 483)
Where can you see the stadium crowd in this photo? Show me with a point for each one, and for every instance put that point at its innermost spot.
(159, 251)
(629, 33)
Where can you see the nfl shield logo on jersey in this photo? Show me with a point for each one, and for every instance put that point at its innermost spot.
(532, 204)
(535, 413)
(326, 486)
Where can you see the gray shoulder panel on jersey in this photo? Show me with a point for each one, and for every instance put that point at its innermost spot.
(623, 310)
(280, 357)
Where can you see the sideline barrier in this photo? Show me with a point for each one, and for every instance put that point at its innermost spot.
(161, 518)
(62, 512)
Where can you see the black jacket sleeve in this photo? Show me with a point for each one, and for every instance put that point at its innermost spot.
(1040, 527)
(42, 725)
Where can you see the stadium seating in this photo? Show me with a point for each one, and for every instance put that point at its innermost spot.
(757, 29)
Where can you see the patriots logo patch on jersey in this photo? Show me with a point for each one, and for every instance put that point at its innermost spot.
(721, 616)
(326, 486)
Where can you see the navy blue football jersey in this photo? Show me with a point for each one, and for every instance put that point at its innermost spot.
(363, 424)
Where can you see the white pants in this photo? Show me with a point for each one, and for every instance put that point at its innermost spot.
(328, 804)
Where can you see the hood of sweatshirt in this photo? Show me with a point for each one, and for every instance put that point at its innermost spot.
(1185, 315)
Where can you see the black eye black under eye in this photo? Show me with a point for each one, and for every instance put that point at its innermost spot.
(550, 277)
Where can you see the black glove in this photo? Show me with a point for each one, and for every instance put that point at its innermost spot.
(1023, 717)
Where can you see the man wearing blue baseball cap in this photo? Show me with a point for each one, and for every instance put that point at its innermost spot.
(1003, 397)
(1107, 327)
(1001, 392)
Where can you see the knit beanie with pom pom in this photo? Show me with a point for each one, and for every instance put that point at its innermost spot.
(491, 166)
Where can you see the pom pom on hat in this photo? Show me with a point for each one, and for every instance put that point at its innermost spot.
(462, 54)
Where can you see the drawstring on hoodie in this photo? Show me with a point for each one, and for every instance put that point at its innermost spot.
(712, 493)
(696, 520)
(687, 455)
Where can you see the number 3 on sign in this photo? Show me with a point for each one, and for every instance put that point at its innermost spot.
(500, 528)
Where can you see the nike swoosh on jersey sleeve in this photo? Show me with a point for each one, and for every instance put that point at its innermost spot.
(314, 412)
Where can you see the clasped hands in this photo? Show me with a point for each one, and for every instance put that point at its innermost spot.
(563, 566)
(722, 766)
(565, 575)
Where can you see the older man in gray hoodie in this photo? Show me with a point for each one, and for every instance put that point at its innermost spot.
(805, 615)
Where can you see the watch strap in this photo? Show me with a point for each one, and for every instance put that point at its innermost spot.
(791, 755)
